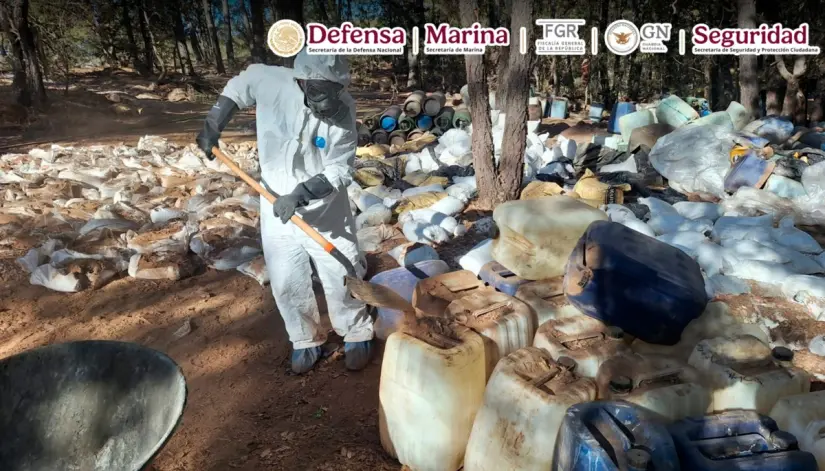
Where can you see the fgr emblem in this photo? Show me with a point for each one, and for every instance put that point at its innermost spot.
(560, 37)
(653, 37)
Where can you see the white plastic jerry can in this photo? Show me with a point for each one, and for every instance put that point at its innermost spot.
(716, 321)
(588, 341)
(505, 323)
(746, 374)
(535, 237)
(546, 299)
(803, 415)
(524, 405)
(665, 386)
(428, 399)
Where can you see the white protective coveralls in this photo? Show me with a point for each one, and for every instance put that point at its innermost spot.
(294, 146)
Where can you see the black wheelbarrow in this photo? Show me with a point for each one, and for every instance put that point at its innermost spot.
(87, 406)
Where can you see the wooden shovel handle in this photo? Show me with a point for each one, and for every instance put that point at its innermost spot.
(308, 230)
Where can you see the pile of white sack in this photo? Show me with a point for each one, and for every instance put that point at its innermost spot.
(733, 245)
(156, 211)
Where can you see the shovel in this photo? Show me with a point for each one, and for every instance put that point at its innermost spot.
(370, 293)
(308, 230)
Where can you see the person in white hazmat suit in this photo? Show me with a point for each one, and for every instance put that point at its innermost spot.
(307, 137)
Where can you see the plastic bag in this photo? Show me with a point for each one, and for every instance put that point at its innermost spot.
(628, 165)
(448, 223)
(618, 212)
(539, 189)
(449, 206)
(784, 187)
(468, 180)
(658, 207)
(370, 238)
(795, 261)
(425, 233)
(160, 266)
(173, 236)
(772, 128)
(256, 268)
(749, 201)
(713, 258)
(638, 226)
(685, 241)
(423, 200)
(753, 250)
(763, 272)
(814, 285)
(437, 187)
(375, 215)
(461, 191)
(668, 223)
(477, 257)
(789, 236)
(813, 180)
(454, 148)
(692, 210)
(720, 285)
(694, 158)
(409, 254)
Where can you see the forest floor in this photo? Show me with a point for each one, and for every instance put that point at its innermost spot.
(245, 409)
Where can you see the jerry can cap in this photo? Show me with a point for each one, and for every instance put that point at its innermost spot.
(567, 363)
(782, 353)
(621, 384)
(638, 459)
(614, 332)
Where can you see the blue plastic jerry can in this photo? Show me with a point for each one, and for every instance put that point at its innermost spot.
(650, 289)
(749, 170)
(738, 440)
(613, 436)
(501, 278)
(619, 110)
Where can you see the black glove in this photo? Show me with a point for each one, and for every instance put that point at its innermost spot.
(315, 188)
(216, 120)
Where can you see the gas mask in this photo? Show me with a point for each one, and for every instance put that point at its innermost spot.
(323, 98)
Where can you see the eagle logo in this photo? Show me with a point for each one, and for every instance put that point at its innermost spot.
(623, 38)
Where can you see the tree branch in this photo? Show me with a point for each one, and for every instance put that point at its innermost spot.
(800, 66)
(783, 70)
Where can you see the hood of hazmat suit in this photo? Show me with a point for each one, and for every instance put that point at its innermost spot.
(294, 145)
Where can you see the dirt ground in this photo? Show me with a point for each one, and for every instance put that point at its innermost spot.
(245, 409)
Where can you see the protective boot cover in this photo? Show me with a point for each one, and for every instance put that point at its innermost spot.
(88, 405)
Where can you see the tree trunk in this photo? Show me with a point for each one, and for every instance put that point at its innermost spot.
(554, 71)
(517, 82)
(748, 77)
(502, 92)
(258, 34)
(181, 51)
(482, 138)
(19, 84)
(197, 49)
(131, 45)
(708, 73)
(213, 34)
(148, 58)
(818, 111)
(31, 61)
(227, 20)
(791, 104)
(161, 63)
(413, 80)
